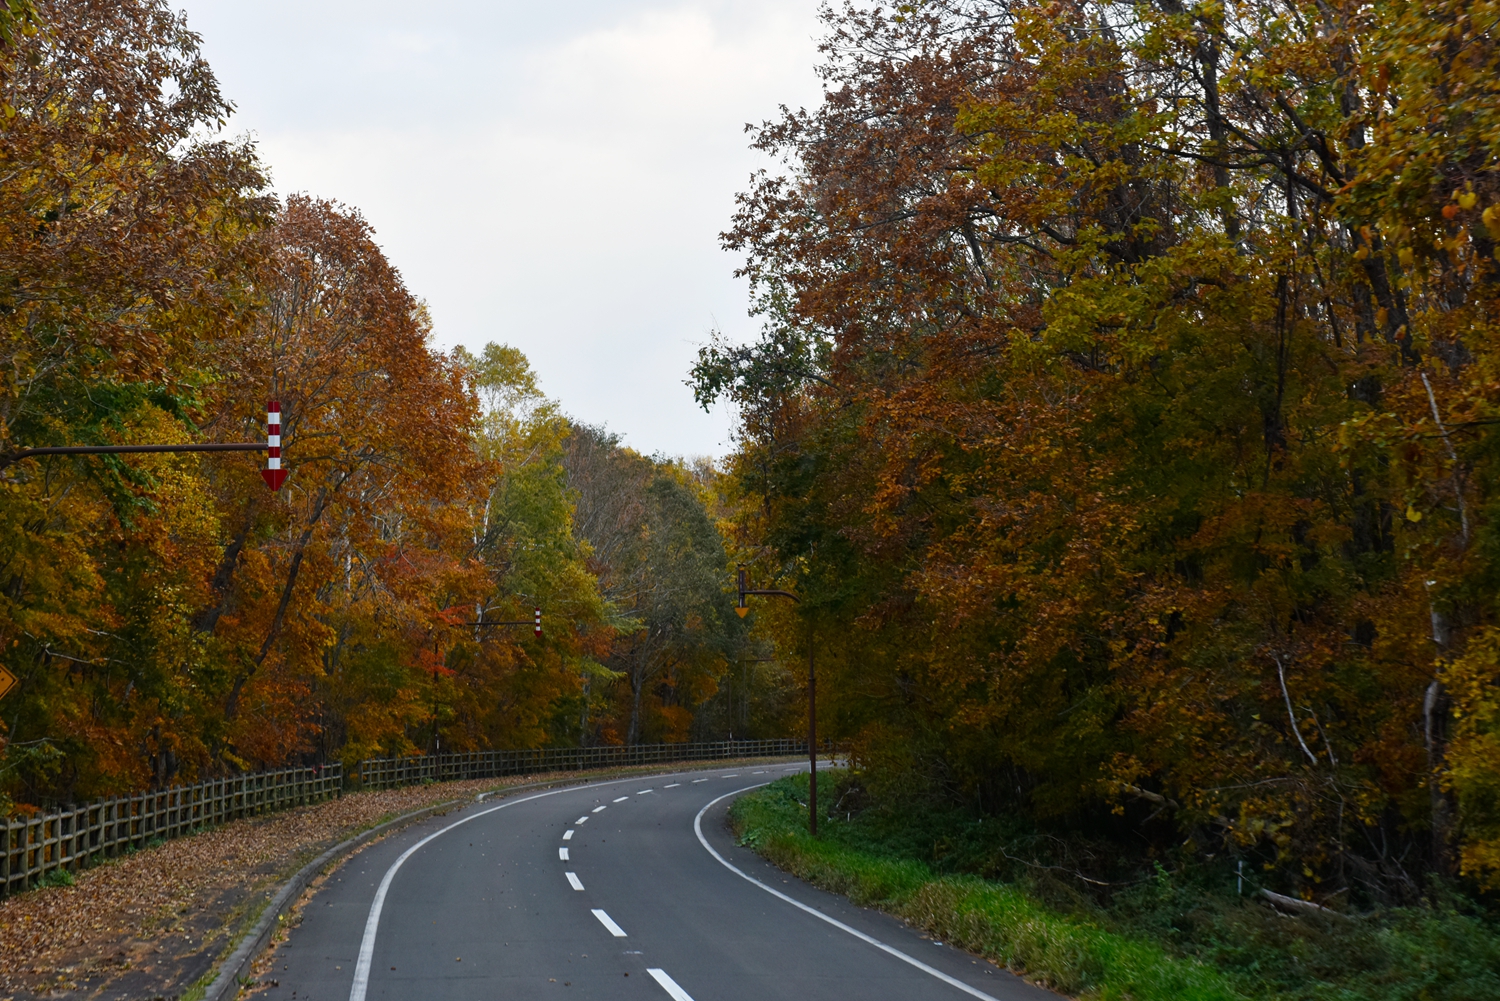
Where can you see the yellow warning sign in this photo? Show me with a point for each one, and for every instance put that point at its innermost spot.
(7, 682)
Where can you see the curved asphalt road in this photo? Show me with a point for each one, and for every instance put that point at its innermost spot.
(525, 898)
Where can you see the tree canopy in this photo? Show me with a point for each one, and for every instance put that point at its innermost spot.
(1125, 410)
(167, 616)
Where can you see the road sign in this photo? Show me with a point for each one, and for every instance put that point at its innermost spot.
(273, 474)
(538, 623)
(7, 682)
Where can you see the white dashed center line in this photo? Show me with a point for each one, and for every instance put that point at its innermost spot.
(598, 808)
(562, 854)
(573, 880)
(609, 922)
(696, 781)
(674, 785)
(643, 792)
(620, 800)
(567, 835)
(757, 773)
(582, 820)
(734, 776)
(670, 986)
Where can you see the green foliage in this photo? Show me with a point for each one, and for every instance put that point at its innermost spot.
(58, 877)
(984, 881)
(998, 921)
(1124, 413)
(662, 567)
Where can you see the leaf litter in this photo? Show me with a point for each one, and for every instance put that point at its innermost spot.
(152, 923)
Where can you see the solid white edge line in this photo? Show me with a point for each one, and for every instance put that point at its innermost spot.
(609, 922)
(573, 880)
(669, 985)
(698, 829)
(372, 923)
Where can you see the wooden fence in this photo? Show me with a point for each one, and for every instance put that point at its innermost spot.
(384, 773)
(31, 847)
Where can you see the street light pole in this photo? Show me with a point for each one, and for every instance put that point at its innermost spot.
(273, 474)
(812, 739)
(742, 609)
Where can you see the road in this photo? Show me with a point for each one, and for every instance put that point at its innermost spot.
(626, 889)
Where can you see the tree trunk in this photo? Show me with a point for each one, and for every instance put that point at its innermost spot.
(637, 682)
(233, 704)
(224, 576)
(1435, 709)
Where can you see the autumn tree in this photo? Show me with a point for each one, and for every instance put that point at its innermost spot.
(124, 232)
(1122, 401)
(661, 565)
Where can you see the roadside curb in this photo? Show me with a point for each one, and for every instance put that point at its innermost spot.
(227, 981)
(226, 984)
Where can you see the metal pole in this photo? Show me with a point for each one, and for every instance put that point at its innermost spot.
(26, 453)
(812, 740)
(741, 579)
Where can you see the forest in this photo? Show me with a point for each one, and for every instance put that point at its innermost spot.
(1125, 414)
(168, 617)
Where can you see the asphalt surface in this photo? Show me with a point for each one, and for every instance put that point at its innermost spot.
(481, 906)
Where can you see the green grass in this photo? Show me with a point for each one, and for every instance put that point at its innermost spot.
(996, 920)
(1181, 935)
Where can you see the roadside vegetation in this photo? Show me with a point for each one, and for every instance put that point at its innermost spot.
(1184, 932)
(170, 619)
(1125, 416)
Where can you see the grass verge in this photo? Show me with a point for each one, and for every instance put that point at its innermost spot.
(1182, 929)
(995, 920)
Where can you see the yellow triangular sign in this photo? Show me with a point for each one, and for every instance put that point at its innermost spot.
(7, 682)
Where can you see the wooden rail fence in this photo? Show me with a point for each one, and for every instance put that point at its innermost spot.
(384, 773)
(33, 846)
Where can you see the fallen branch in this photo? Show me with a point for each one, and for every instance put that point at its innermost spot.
(1154, 797)
(1295, 906)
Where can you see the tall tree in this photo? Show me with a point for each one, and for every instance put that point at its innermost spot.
(1121, 401)
(661, 563)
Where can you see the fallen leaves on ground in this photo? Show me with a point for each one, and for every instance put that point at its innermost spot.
(167, 908)
(152, 923)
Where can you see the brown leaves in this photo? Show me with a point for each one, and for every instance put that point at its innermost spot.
(1088, 396)
(126, 919)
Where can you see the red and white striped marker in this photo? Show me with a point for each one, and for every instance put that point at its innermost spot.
(538, 623)
(273, 474)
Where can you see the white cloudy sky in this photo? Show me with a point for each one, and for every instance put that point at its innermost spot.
(552, 176)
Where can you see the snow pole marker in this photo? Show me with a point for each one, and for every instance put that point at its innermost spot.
(538, 623)
(273, 474)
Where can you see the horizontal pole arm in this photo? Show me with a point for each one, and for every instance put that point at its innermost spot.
(27, 453)
(774, 594)
(519, 622)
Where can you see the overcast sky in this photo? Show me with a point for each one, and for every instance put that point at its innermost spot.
(554, 176)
